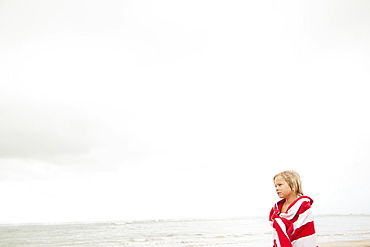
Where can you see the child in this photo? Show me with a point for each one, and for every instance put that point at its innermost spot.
(291, 217)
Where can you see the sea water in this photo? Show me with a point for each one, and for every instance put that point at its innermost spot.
(230, 232)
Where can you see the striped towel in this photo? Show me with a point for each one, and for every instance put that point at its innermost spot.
(295, 227)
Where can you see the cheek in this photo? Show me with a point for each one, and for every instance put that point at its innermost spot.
(287, 188)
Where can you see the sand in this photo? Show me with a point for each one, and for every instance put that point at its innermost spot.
(356, 243)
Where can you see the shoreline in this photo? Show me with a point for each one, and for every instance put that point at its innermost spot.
(353, 243)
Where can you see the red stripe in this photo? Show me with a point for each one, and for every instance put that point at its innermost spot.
(305, 206)
(284, 241)
(304, 231)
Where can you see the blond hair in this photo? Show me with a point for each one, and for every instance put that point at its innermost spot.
(293, 180)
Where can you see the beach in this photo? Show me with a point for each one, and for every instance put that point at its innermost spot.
(333, 231)
(355, 243)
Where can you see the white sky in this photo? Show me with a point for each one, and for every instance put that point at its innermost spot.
(126, 110)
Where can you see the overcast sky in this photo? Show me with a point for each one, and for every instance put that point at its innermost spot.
(152, 109)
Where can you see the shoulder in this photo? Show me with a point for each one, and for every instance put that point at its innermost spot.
(279, 204)
(306, 199)
(301, 203)
(275, 210)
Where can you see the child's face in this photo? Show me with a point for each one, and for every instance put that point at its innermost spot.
(282, 188)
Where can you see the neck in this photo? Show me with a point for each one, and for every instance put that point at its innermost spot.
(291, 199)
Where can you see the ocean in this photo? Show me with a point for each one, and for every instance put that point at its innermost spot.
(229, 232)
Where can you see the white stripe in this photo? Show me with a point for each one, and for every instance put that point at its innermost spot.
(309, 241)
(303, 218)
(282, 226)
(276, 238)
(277, 241)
